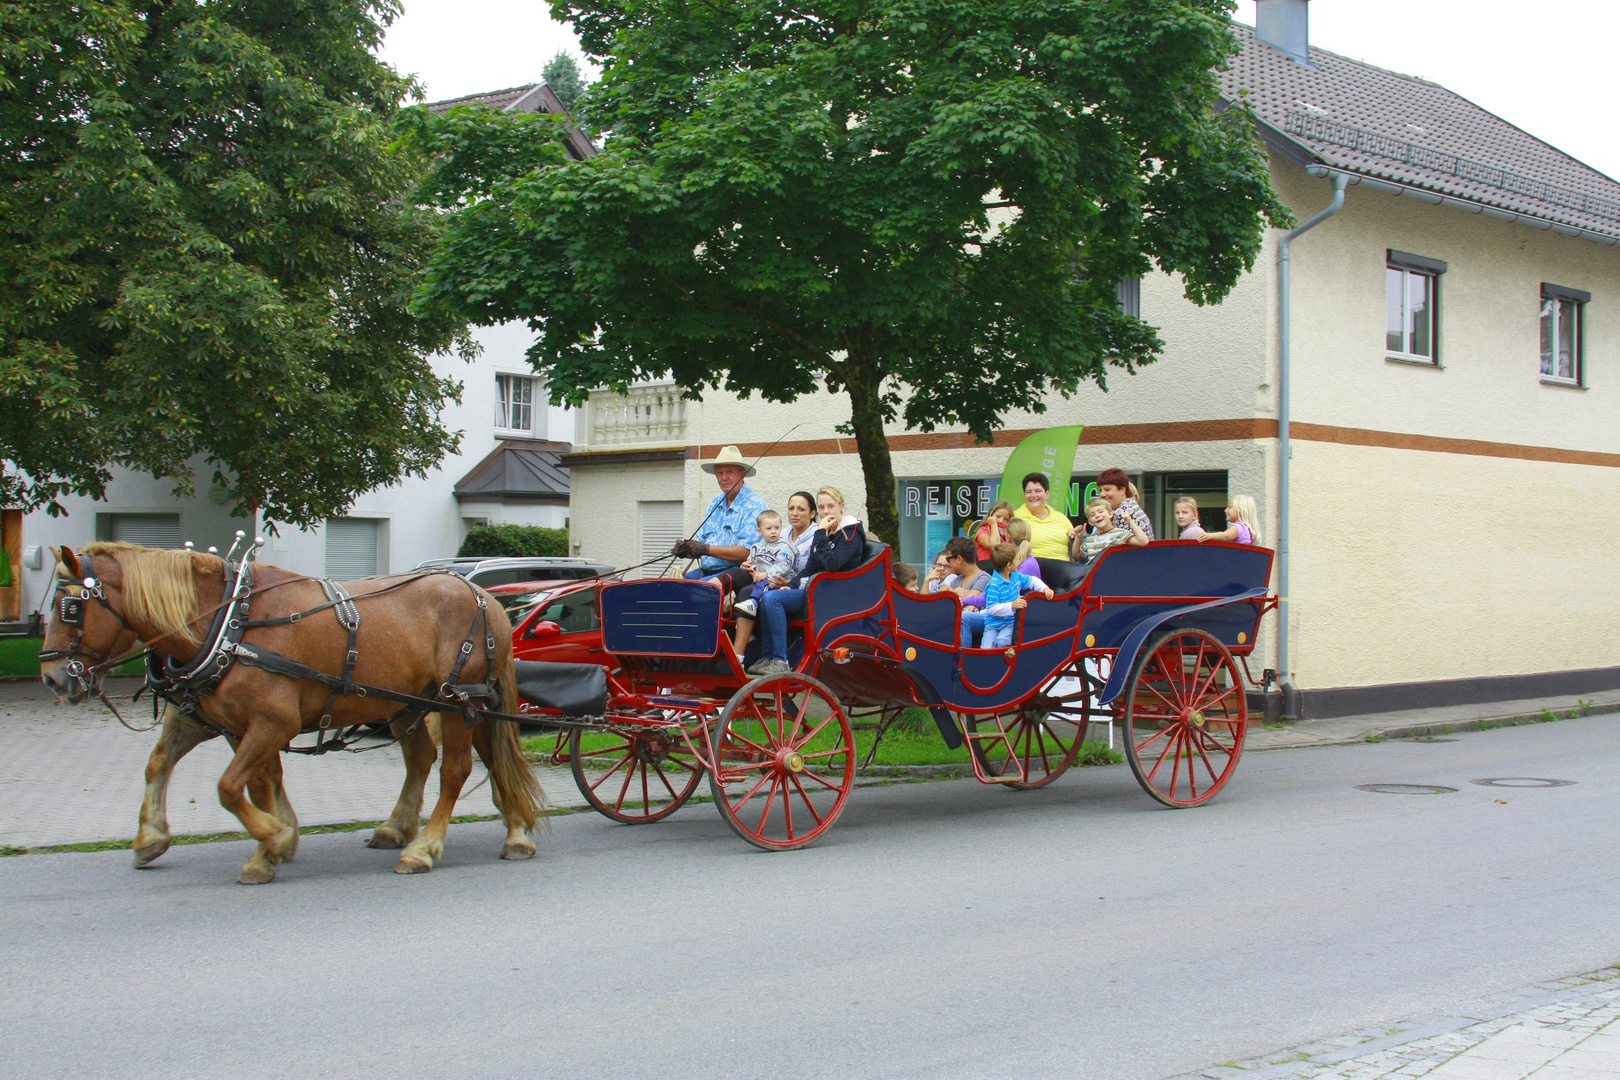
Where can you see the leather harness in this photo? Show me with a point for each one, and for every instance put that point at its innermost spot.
(185, 684)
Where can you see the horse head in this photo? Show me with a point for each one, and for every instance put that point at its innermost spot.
(108, 598)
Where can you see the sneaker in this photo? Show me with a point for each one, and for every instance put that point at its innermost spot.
(749, 607)
(769, 666)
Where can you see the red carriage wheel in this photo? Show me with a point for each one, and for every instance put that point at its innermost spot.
(784, 761)
(636, 779)
(1185, 717)
(1035, 745)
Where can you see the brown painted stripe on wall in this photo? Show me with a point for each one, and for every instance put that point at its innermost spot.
(1196, 431)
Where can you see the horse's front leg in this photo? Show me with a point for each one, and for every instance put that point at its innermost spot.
(420, 753)
(454, 768)
(180, 735)
(256, 752)
(269, 793)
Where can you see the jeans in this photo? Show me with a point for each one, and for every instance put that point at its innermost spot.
(999, 637)
(775, 608)
(972, 625)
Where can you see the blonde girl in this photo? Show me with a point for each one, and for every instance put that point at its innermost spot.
(1245, 522)
(1018, 533)
(1186, 509)
(993, 530)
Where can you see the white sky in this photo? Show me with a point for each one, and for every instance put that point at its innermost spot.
(1549, 69)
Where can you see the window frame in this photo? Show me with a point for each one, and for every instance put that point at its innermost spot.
(1558, 295)
(1431, 270)
(504, 404)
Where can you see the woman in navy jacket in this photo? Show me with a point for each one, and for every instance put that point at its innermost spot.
(839, 544)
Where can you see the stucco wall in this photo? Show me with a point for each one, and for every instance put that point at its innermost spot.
(1411, 566)
(603, 522)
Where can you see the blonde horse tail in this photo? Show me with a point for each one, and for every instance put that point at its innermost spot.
(517, 789)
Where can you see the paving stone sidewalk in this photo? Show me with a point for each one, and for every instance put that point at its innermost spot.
(1563, 1030)
(73, 774)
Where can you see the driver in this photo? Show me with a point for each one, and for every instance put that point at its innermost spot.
(730, 526)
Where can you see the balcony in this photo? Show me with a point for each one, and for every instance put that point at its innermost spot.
(649, 414)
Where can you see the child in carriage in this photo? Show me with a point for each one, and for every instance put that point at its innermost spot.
(993, 531)
(1104, 532)
(1244, 517)
(1187, 517)
(771, 557)
(1004, 597)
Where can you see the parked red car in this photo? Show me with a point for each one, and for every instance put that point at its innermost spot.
(563, 628)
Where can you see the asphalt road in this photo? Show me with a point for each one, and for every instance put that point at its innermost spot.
(941, 930)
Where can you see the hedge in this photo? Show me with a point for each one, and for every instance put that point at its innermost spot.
(513, 541)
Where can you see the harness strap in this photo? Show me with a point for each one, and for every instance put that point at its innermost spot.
(277, 664)
(348, 617)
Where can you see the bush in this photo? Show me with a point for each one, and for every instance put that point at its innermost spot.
(6, 580)
(513, 542)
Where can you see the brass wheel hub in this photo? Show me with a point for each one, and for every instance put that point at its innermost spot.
(790, 761)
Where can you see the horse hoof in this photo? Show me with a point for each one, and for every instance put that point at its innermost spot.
(518, 851)
(144, 856)
(388, 837)
(413, 866)
(292, 848)
(257, 875)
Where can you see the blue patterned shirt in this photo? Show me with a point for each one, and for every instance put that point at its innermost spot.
(730, 526)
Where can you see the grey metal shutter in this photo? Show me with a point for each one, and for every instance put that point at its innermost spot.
(662, 523)
(148, 530)
(351, 548)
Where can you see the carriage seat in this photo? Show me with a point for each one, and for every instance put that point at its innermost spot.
(1061, 576)
(571, 689)
(874, 548)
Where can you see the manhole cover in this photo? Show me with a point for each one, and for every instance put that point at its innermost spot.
(1521, 781)
(1406, 789)
(1431, 738)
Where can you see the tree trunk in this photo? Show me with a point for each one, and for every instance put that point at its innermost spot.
(865, 388)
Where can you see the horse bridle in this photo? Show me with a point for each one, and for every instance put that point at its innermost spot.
(70, 608)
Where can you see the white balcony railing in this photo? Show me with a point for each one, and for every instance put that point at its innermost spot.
(652, 414)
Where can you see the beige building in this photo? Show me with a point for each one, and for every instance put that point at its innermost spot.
(1455, 379)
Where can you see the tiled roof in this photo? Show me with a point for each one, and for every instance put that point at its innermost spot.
(499, 99)
(522, 469)
(1362, 119)
(534, 97)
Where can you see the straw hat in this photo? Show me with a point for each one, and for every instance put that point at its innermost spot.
(728, 455)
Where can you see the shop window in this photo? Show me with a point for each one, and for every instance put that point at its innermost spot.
(1411, 304)
(1563, 311)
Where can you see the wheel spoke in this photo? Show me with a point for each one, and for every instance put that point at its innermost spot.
(819, 780)
(629, 775)
(798, 720)
(665, 781)
(737, 807)
(787, 808)
(808, 805)
(603, 779)
(770, 800)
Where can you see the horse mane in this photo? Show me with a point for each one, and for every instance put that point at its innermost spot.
(160, 585)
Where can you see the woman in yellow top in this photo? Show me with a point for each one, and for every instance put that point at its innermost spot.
(1048, 529)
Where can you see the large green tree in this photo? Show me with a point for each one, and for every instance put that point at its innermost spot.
(207, 248)
(924, 204)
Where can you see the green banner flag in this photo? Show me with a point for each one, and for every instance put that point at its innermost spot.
(1049, 451)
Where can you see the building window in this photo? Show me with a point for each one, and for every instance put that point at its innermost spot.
(147, 530)
(351, 548)
(662, 524)
(514, 402)
(1411, 294)
(1562, 312)
(1130, 296)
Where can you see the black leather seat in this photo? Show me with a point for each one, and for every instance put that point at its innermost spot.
(1062, 576)
(874, 548)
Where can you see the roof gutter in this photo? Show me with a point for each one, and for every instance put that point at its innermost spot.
(1408, 191)
(1285, 449)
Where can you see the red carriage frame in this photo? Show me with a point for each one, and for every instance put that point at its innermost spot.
(678, 704)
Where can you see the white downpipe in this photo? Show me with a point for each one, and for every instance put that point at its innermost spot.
(1285, 447)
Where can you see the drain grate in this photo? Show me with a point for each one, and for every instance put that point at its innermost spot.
(1430, 738)
(1521, 781)
(1407, 789)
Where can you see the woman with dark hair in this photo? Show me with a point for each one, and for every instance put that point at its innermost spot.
(1048, 530)
(839, 544)
(1116, 487)
(801, 530)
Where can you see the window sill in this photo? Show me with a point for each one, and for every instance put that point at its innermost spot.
(1567, 384)
(1415, 361)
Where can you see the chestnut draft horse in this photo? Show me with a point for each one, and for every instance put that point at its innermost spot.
(412, 635)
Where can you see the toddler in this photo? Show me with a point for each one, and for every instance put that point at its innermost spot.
(905, 576)
(771, 557)
(1004, 598)
(1105, 533)
(1245, 522)
(1187, 518)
